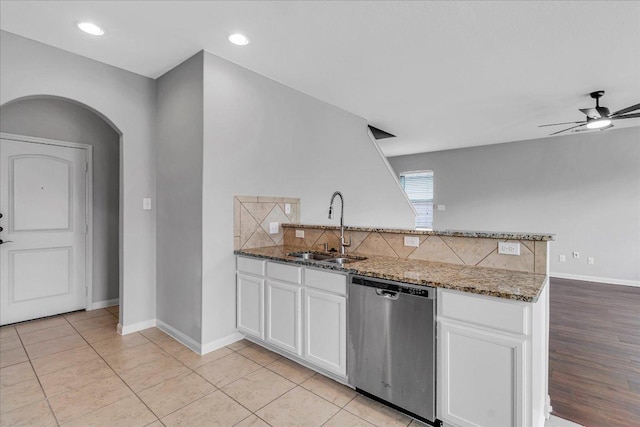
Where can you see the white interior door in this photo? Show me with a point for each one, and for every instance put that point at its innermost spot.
(43, 207)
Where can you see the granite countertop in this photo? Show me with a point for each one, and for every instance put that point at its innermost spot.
(504, 235)
(507, 284)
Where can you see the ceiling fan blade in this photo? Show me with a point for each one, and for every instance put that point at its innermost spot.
(627, 110)
(626, 116)
(590, 112)
(564, 130)
(557, 124)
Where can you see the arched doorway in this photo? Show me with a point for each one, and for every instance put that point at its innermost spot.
(61, 119)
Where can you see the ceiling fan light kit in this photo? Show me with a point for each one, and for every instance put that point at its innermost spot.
(598, 118)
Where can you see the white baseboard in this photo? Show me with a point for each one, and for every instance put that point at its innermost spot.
(214, 345)
(129, 329)
(606, 280)
(103, 304)
(554, 421)
(179, 336)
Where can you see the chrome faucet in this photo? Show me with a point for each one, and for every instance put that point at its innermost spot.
(343, 241)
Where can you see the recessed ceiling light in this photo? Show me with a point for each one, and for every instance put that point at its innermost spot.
(90, 28)
(239, 39)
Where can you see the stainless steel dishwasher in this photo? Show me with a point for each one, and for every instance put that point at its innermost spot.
(391, 344)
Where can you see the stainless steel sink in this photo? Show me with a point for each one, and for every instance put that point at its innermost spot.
(314, 257)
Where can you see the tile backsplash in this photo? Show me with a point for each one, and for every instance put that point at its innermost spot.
(481, 252)
(252, 216)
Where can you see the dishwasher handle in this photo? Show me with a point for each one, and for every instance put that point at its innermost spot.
(387, 294)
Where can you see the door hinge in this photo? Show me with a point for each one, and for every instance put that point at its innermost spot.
(86, 228)
(86, 167)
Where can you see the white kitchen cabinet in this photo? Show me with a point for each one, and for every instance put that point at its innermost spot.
(250, 291)
(325, 321)
(284, 316)
(487, 373)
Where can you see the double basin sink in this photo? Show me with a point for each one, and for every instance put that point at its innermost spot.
(322, 258)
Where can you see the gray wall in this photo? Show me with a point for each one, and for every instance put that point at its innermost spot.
(585, 188)
(264, 138)
(127, 101)
(179, 178)
(66, 121)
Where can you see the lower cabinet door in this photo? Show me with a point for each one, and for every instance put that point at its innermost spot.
(481, 376)
(250, 305)
(284, 316)
(326, 330)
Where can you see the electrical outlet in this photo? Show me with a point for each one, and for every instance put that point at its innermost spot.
(563, 258)
(300, 234)
(509, 248)
(576, 255)
(441, 207)
(413, 241)
(287, 208)
(146, 204)
(591, 260)
(274, 227)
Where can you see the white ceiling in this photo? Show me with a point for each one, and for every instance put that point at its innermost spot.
(439, 75)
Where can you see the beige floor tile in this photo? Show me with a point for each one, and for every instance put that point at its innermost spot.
(193, 360)
(252, 421)
(260, 355)
(118, 343)
(114, 309)
(377, 413)
(155, 424)
(135, 356)
(175, 393)
(19, 395)
(101, 333)
(298, 407)
(154, 372)
(48, 334)
(34, 415)
(344, 419)
(54, 362)
(416, 423)
(8, 331)
(10, 342)
(239, 345)
(290, 370)
(258, 389)
(15, 374)
(13, 356)
(36, 325)
(96, 322)
(170, 345)
(90, 397)
(74, 376)
(128, 412)
(46, 348)
(154, 334)
(330, 390)
(227, 369)
(215, 409)
(84, 315)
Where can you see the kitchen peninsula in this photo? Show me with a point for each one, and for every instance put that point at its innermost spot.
(491, 311)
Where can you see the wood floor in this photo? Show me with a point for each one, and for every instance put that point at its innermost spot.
(594, 353)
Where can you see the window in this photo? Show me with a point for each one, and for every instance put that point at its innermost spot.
(419, 189)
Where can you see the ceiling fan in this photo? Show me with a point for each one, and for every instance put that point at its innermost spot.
(598, 117)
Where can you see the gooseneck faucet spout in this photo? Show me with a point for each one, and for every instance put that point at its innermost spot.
(343, 243)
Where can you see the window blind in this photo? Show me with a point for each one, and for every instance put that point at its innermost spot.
(419, 189)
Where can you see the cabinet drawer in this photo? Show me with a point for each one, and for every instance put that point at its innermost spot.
(330, 282)
(490, 312)
(287, 273)
(250, 265)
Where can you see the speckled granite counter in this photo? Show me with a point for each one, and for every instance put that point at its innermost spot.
(505, 235)
(485, 281)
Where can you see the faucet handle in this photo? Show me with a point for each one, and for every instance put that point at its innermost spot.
(326, 247)
(346, 242)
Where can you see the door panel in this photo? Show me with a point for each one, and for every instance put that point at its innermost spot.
(250, 304)
(283, 316)
(326, 330)
(43, 202)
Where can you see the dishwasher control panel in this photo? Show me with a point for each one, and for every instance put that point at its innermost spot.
(416, 290)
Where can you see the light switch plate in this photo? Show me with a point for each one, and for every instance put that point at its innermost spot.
(300, 234)
(442, 207)
(413, 241)
(146, 204)
(287, 208)
(274, 227)
(509, 248)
